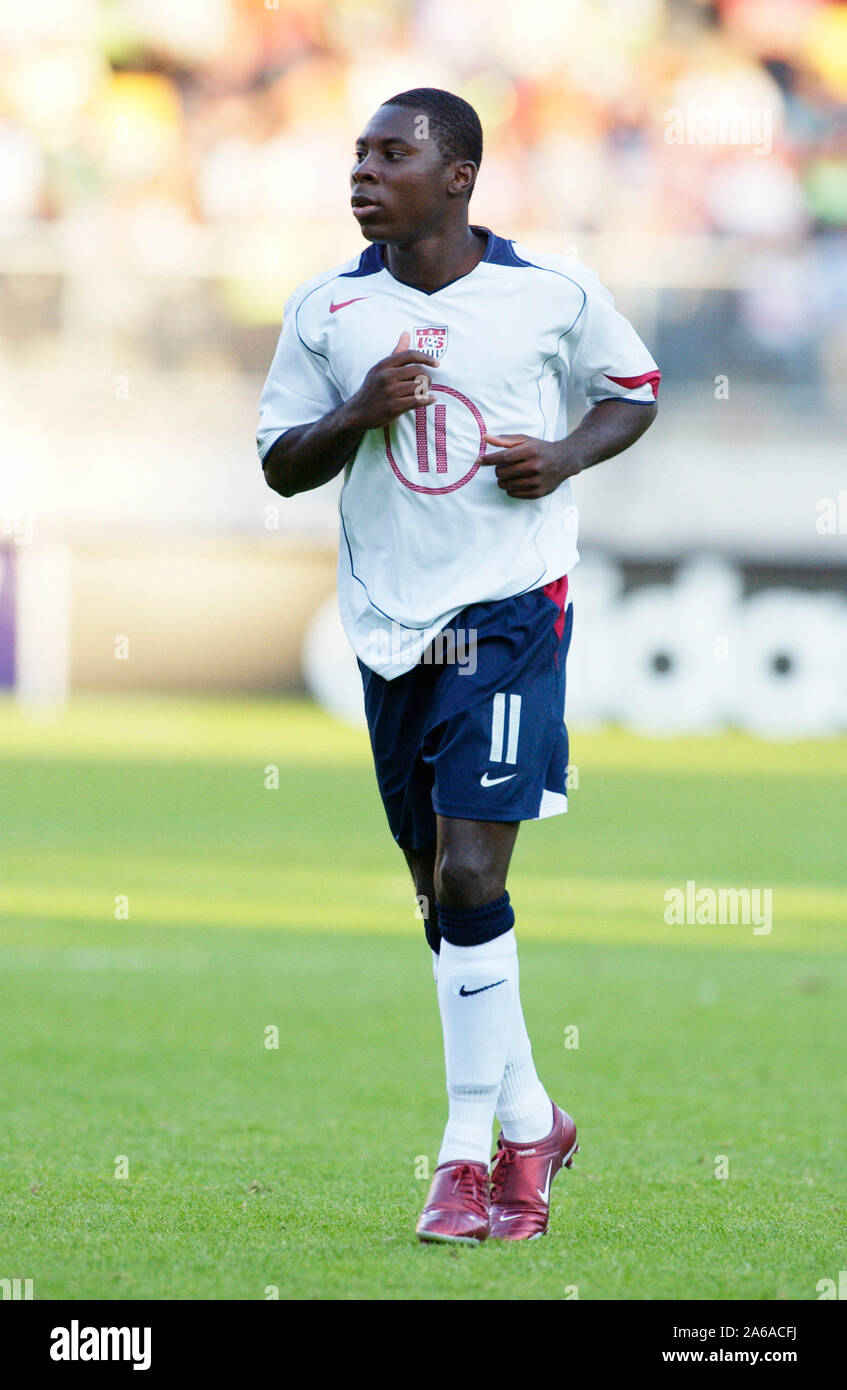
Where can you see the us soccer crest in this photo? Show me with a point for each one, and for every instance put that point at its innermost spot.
(432, 341)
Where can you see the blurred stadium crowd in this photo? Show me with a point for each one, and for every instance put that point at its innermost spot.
(215, 137)
(172, 170)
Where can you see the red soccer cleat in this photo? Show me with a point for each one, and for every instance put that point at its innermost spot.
(457, 1206)
(521, 1178)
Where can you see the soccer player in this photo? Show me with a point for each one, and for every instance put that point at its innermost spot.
(433, 369)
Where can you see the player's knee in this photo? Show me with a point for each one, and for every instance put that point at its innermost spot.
(466, 879)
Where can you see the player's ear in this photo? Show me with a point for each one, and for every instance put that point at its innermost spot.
(462, 178)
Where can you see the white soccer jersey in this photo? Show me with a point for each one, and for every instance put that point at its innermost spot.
(425, 530)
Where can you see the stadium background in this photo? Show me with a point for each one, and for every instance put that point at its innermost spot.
(170, 173)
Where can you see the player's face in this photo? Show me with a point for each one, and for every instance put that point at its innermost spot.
(400, 180)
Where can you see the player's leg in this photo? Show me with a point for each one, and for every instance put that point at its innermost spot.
(488, 1055)
(399, 713)
(476, 986)
(421, 864)
(477, 976)
(523, 1105)
(528, 1155)
(476, 923)
(500, 746)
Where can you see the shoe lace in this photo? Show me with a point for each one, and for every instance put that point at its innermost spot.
(471, 1185)
(501, 1172)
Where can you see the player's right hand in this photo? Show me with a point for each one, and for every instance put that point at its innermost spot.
(393, 386)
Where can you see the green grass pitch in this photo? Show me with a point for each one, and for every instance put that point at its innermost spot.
(138, 1043)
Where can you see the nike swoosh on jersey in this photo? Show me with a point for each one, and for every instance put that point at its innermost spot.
(545, 1195)
(333, 308)
(486, 781)
(465, 992)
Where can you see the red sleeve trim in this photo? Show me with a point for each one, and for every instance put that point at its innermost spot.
(630, 382)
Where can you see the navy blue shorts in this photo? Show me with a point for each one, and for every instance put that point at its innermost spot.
(476, 729)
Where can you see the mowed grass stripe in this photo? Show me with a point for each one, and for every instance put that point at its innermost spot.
(569, 909)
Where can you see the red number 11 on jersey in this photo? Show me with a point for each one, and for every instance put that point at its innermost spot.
(422, 450)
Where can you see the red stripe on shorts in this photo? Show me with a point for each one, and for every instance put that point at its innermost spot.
(557, 590)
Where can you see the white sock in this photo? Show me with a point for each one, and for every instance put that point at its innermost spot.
(476, 993)
(524, 1108)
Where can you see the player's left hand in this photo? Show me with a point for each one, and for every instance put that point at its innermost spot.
(527, 467)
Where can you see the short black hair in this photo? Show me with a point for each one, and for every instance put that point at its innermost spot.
(456, 127)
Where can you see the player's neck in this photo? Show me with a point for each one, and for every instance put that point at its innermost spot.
(435, 261)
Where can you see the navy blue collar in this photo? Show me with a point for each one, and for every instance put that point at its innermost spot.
(498, 251)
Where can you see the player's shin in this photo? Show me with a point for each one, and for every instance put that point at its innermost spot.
(477, 984)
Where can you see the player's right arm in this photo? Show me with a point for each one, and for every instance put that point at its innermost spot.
(306, 456)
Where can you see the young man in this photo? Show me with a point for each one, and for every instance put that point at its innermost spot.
(433, 369)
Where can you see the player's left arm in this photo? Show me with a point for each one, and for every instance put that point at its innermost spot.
(532, 468)
(603, 358)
